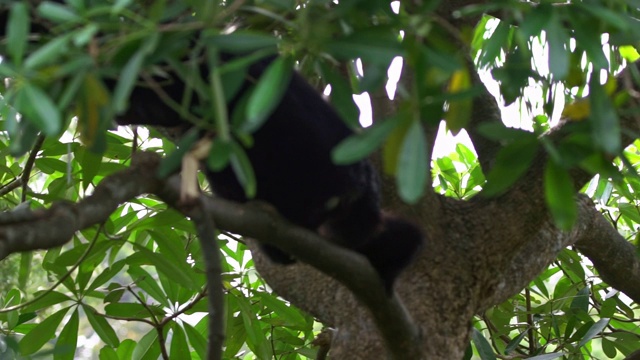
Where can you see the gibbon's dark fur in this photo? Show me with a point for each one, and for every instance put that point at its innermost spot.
(294, 172)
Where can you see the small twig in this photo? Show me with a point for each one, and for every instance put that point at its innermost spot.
(28, 166)
(532, 334)
(211, 252)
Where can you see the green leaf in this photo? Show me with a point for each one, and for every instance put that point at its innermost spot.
(101, 327)
(594, 330)
(147, 347)
(197, 341)
(377, 45)
(494, 45)
(179, 346)
(129, 74)
(68, 339)
(41, 333)
(560, 195)
(482, 345)
(514, 343)
(341, 95)
(268, 92)
(106, 275)
(604, 119)
(412, 174)
(58, 13)
(147, 283)
(170, 269)
(24, 272)
(360, 145)
(173, 161)
(48, 53)
(536, 20)
(558, 41)
(126, 349)
(220, 154)
(132, 310)
(547, 356)
(581, 301)
(43, 112)
(17, 31)
(107, 353)
(244, 42)
(512, 162)
(52, 298)
(292, 316)
(243, 170)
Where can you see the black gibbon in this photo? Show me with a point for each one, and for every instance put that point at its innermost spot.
(291, 159)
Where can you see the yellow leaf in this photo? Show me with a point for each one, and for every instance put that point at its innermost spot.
(93, 98)
(578, 110)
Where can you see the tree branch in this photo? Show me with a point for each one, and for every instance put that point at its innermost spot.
(46, 229)
(43, 230)
(211, 253)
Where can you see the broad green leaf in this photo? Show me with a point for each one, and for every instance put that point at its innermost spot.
(604, 119)
(292, 316)
(494, 45)
(268, 92)
(513, 344)
(35, 339)
(68, 339)
(52, 298)
(179, 346)
(376, 45)
(412, 167)
(608, 348)
(129, 75)
(126, 348)
(173, 161)
(17, 31)
(560, 195)
(90, 164)
(220, 154)
(547, 356)
(241, 42)
(179, 274)
(360, 145)
(107, 353)
(482, 345)
(147, 283)
(197, 341)
(256, 339)
(558, 41)
(536, 20)
(132, 310)
(24, 272)
(459, 111)
(101, 327)
(511, 163)
(57, 13)
(147, 347)
(580, 302)
(594, 330)
(244, 170)
(43, 112)
(106, 275)
(341, 95)
(48, 53)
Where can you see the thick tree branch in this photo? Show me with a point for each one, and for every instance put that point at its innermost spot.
(350, 268)
(43, 230)
(613, 256)
(46, 229)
